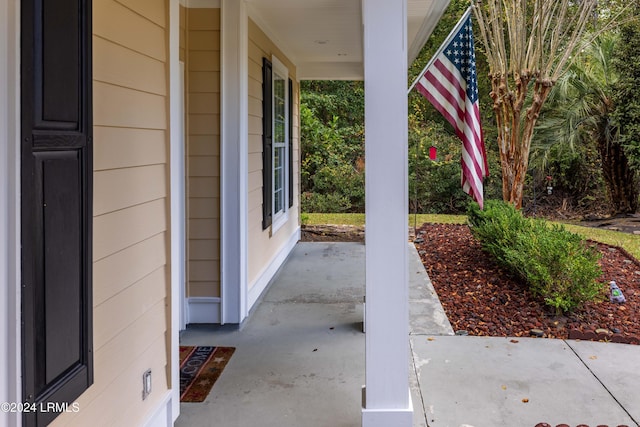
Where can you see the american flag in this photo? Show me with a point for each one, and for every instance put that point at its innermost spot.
(450, 83)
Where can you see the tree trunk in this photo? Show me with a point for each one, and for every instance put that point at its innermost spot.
(621, 181)
(514, 131)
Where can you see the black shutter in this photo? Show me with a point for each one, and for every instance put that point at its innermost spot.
(267, 142)
(290, 143)
(56, 212)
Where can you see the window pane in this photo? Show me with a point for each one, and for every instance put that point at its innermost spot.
(279, 105)
(279, 142)
(278, 179)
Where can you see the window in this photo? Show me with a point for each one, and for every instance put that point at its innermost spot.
(277, 144)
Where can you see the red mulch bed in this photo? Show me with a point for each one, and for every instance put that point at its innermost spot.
(483, 299)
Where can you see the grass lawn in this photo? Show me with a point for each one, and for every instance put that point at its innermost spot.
(358, 219)
(629, 242)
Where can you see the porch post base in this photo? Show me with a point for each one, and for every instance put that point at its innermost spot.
(385, 417)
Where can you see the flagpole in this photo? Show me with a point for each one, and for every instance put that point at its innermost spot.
(442, 46)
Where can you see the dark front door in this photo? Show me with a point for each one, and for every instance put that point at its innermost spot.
(56, 198)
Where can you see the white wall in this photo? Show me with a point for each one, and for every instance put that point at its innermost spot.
(9, 202)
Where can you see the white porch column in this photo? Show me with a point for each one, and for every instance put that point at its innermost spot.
(387, 399)
(234, 160)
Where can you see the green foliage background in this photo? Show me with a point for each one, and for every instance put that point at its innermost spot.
(332, 132)
(332, 127)
(626, 93)
(332, 137)
(434, 186)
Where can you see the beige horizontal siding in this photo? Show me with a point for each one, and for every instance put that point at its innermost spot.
(123, 228)
(255, 196)
(116, 148)
(123, 107)
(203, 61)
(117, 366)
(204, 229)
(204, 124)
(132, 303)
(201, 271)
(255, 88)
(143, 184)
(201, 186)
(115, 22)
(203, 250)
(205, 166)
(203, 289)
(263, 246)
(255, 183)
(205, 207)
(204, 103)
(255, 107)
(255, 219)
(205, 39)
(206, 81)
(204, 20)
(116, 272)
(151, 10)
(255, 142)
(124, 67)
(130, 239)
(254, 162)
(255, 67)
(255, 127)
(203, 147)
(206, 145)
(132, 412)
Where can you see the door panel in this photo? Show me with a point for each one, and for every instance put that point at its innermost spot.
(56, 213)
(59, 67)
(60, 174)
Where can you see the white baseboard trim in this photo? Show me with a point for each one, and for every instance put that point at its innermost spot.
(163, 416)
(267, 274)
(203, 310)
(382, 417)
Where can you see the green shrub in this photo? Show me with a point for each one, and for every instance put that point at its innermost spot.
(324, 203)
(497, 226)
(557, 265)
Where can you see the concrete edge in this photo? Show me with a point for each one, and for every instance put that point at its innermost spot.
(424, 304)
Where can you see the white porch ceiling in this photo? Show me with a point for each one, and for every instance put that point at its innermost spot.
(324, 37)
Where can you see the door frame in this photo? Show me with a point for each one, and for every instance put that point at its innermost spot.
(177, 206)
(10, 296)
(179, 199)
(234, 161)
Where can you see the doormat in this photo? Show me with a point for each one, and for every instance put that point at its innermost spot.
(200, 367)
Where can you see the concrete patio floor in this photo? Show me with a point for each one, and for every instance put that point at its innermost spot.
(299, 360)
